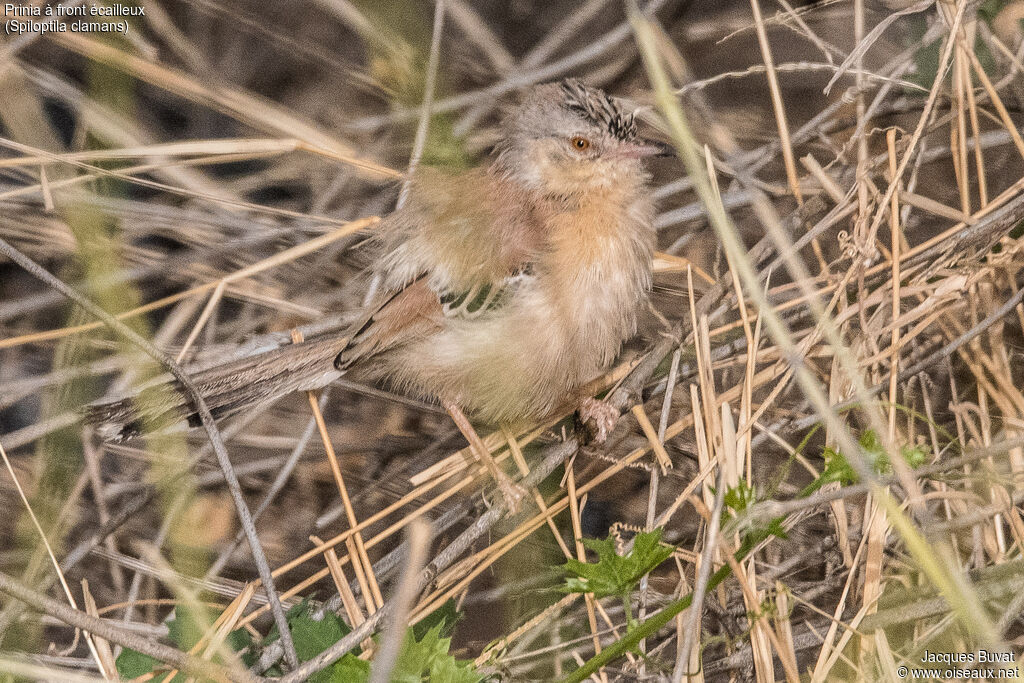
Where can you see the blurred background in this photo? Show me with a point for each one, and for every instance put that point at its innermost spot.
(148, 169)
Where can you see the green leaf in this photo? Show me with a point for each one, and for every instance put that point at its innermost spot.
(615, 574)
(313, 636)
(132, 664)
(645, 629)
(184, 629)
(736, 500)
(239, 640)
(424, 656)
(926, 60)
(428, 659)
(450, 670)
(739, 497)
(838, 468)
(416, 655)
(348, 669)
(447, 616)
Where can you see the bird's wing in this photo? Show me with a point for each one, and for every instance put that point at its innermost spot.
(418, 310)
(456, 250)
(395, 318)
(460, 231)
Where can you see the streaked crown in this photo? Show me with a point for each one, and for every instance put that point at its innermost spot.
(598, 109)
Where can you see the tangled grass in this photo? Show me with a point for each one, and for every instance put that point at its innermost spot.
(816, 472)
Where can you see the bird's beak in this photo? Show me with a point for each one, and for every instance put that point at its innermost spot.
(642, 148)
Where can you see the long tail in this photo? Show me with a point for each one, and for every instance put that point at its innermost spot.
(226, 389)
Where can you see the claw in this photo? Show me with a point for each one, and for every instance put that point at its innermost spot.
(512, 492)
(603, 416)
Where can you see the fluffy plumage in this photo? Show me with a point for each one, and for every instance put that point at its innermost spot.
(504, 289)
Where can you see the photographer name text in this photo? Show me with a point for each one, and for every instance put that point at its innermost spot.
(987, 665)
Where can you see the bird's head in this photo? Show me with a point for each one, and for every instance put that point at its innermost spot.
(569, 139)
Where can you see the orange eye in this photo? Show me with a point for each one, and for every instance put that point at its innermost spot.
(580, 143)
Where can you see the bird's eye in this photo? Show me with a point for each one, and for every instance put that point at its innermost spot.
(580, 143)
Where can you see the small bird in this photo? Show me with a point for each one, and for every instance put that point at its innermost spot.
(503, 289)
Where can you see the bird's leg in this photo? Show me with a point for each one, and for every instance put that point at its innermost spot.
(511, 491)
(603, 415)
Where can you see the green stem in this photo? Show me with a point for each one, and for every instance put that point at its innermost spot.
(646, 629)
(628, 608)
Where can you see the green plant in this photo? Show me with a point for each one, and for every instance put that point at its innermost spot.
(615, 574)
(424, 655)
(838, 468)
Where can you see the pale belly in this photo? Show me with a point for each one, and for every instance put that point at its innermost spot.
(520, 363)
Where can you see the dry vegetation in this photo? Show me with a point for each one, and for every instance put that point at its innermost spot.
(823, 413)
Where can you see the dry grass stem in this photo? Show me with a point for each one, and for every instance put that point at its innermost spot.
(821, 411)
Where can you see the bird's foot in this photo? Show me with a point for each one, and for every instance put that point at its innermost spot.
(598, 418)
(512, 492)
